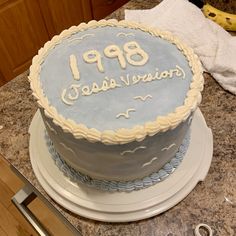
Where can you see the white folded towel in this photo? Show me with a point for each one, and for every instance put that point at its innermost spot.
(215, 47)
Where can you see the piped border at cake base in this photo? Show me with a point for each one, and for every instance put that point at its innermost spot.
(121, 186)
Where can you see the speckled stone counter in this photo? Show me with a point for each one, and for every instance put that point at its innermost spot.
(212, 201)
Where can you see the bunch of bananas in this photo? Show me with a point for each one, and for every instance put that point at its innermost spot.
(224, 19)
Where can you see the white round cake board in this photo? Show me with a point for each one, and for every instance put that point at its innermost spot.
(122, 206)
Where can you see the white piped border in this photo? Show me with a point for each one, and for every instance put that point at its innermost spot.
(120, 136)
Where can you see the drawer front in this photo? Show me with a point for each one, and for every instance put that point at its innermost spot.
(102, 8)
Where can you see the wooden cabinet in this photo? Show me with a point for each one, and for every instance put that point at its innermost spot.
(61, 14)
(25, 25)
(102, 8)
(22, 33)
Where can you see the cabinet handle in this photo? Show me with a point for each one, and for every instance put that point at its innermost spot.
(21, 199)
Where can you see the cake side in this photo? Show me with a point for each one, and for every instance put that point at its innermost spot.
(125, 185)
(130, 161)
(121, 135)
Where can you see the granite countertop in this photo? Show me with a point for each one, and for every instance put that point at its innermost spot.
(212, 201)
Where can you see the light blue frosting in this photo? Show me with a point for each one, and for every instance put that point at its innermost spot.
(122, 186)
(100, 110)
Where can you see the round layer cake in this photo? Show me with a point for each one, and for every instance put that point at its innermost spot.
(117, 98)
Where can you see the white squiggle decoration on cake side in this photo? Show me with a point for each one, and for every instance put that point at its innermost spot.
(150, 162)
(126, 114)
(167, 148)
(81, 38)
(189, 120)
(74, 67)
(125, 34)
(143, 98)
(50, 128)
(132, 151)
(68, 149)
(124, 186)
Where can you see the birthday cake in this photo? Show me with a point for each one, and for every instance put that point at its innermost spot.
(117, 100)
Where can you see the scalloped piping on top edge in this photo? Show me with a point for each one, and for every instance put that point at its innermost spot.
(120, 136)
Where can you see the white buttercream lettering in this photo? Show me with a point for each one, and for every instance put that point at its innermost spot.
(165, 74)
(106, 85)
(156, 76)
(132, 48)
(93, 56)
(86, 91)
(74, 67)
(95, 88)
(63, 98)
(180, 70)
(125, 80)
(135, 79)
(147, 78)
(75, 89)
(110, 83)
(113, 84)
(112, 51)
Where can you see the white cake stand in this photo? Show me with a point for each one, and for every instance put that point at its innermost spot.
(123, 206)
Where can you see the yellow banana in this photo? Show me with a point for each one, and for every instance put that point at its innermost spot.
(224, 19)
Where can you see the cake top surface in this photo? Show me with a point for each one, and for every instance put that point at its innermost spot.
(117, 80)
